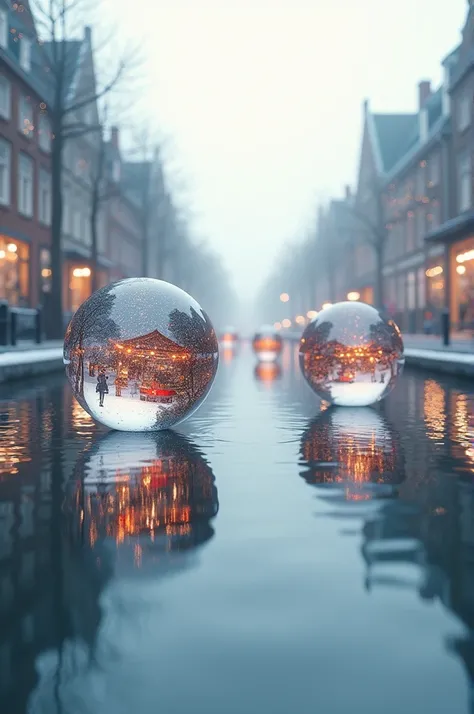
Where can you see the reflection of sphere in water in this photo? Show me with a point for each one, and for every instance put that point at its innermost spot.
(137, 499)
(267, 344)
(140, 354)
(267, 371)
(354, 448)
(350, 355)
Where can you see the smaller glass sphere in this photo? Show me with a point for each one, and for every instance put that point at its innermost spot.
(140, 355)
(350, 355)
(229, 337)
(267, 344)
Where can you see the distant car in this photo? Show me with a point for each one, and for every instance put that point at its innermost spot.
(154, 392)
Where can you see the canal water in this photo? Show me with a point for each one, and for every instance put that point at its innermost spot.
(271, 555)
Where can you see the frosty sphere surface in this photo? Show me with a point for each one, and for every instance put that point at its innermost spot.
(267, 344)
(350, 355)
(140, 354)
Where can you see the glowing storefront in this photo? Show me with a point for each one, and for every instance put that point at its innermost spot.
(455, 270)
(14, 271)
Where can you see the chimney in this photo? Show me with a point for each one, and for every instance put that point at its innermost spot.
(366, 107)
(348, 193)
(424, 92)
(88, 34)
(114, 137)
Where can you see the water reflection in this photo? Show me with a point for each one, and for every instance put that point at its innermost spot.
(355, 450)
(267, 372)
(137, 507)
(151, 495)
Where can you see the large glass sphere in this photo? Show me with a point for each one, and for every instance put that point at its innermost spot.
(350, 355)
(140, 354)
(267, 344)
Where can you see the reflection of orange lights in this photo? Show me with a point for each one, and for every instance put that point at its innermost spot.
(311, 314)
(284, 297)
(359, 461)
(286, 323)
(228, 354)
(267, 344)
(277, 325)
(267, 372)
(326, 305)
(434, 409)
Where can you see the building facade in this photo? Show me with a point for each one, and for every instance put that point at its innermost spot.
(25, 172)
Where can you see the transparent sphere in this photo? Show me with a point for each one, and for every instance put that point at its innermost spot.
(229, 336)
(350, 355)
(140, 354)
(267, 344)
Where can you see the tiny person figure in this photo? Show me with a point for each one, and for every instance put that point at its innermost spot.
(102, 387)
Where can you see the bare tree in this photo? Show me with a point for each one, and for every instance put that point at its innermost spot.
(69, 101)
(375, 231)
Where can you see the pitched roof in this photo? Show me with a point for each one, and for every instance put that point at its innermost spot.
(393, 133)
(68, 63)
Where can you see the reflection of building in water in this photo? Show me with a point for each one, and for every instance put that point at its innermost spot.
(427, 543)
(27, 543)
(355, 448)
(16, 425)
(143, 493)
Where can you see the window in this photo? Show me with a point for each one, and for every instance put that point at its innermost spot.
(14, 271)
(44, 133)
(411, 291)
(25, 54)
(45, 264)
(420, 182)
(5, 97)
(5, 172)
(76, 228)
(116, 171)
(44, 197)
(463, 111)
(3, 28)
(433, 170)
(464, 181)
(420, 226)
(401, 293)
(25, 185)
(420, 284)
(410, 231)
(25, 116)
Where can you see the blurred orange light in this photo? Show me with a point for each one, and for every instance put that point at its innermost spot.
(353, 296)
(311, 314)
(286, 323)
(277, 325)
(284, 297)
(326, 304)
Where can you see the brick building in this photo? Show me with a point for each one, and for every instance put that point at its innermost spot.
(25, 179)
(421, 167)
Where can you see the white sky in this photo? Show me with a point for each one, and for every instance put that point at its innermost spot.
(263, 101)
